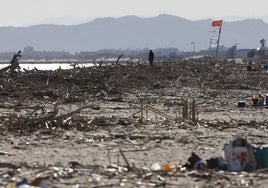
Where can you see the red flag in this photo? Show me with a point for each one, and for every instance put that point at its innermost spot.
(217, 23)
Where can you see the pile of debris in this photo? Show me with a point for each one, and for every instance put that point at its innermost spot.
(102, 105)
(239, 156)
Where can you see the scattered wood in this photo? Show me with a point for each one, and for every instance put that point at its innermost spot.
(8, 165)
(119, 57)
(32, 113)
(125, 159)
(5, 153)
(14, 64)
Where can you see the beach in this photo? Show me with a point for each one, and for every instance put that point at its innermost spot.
(108, 126)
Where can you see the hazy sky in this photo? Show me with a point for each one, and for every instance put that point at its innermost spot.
(28, 12)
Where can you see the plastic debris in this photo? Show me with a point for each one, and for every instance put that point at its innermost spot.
(167, 167)
(193, 162)
(261, 156)
(156, 167)
(24, 183)
(239, 155)
(216, 163)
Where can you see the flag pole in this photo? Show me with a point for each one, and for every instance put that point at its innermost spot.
(218, 42)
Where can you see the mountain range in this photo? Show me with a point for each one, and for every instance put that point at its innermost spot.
(131, 32)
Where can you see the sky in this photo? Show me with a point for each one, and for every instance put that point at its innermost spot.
(30, 12)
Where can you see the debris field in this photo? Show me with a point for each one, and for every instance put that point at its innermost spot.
(123, 125)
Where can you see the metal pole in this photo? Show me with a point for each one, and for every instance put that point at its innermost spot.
(210, 43)
(193, 49)
(218, 42)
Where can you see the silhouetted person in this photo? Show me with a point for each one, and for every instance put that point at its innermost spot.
(151, 57)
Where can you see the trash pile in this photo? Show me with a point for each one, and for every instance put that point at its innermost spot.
(257, 100)
(261, 100)
(239, 156)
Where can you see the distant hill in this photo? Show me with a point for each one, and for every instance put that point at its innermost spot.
(132, 32)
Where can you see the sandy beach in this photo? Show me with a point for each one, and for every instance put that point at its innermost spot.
(109, 126)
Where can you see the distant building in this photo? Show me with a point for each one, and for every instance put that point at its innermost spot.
(242, 53)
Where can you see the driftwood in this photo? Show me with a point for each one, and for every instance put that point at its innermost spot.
(14, 64)
(125, 159)
(5, 153)
(119, 57)
(8, 165)
(152, 109)
(119, 82)
(104, 130)
(45, 120)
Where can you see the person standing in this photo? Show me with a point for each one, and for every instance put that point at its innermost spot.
(151, 57)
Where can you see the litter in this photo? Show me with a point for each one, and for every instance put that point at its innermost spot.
(167, 167)
(155, 167)
(37, 183)
(239, 156)
(261, 156)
